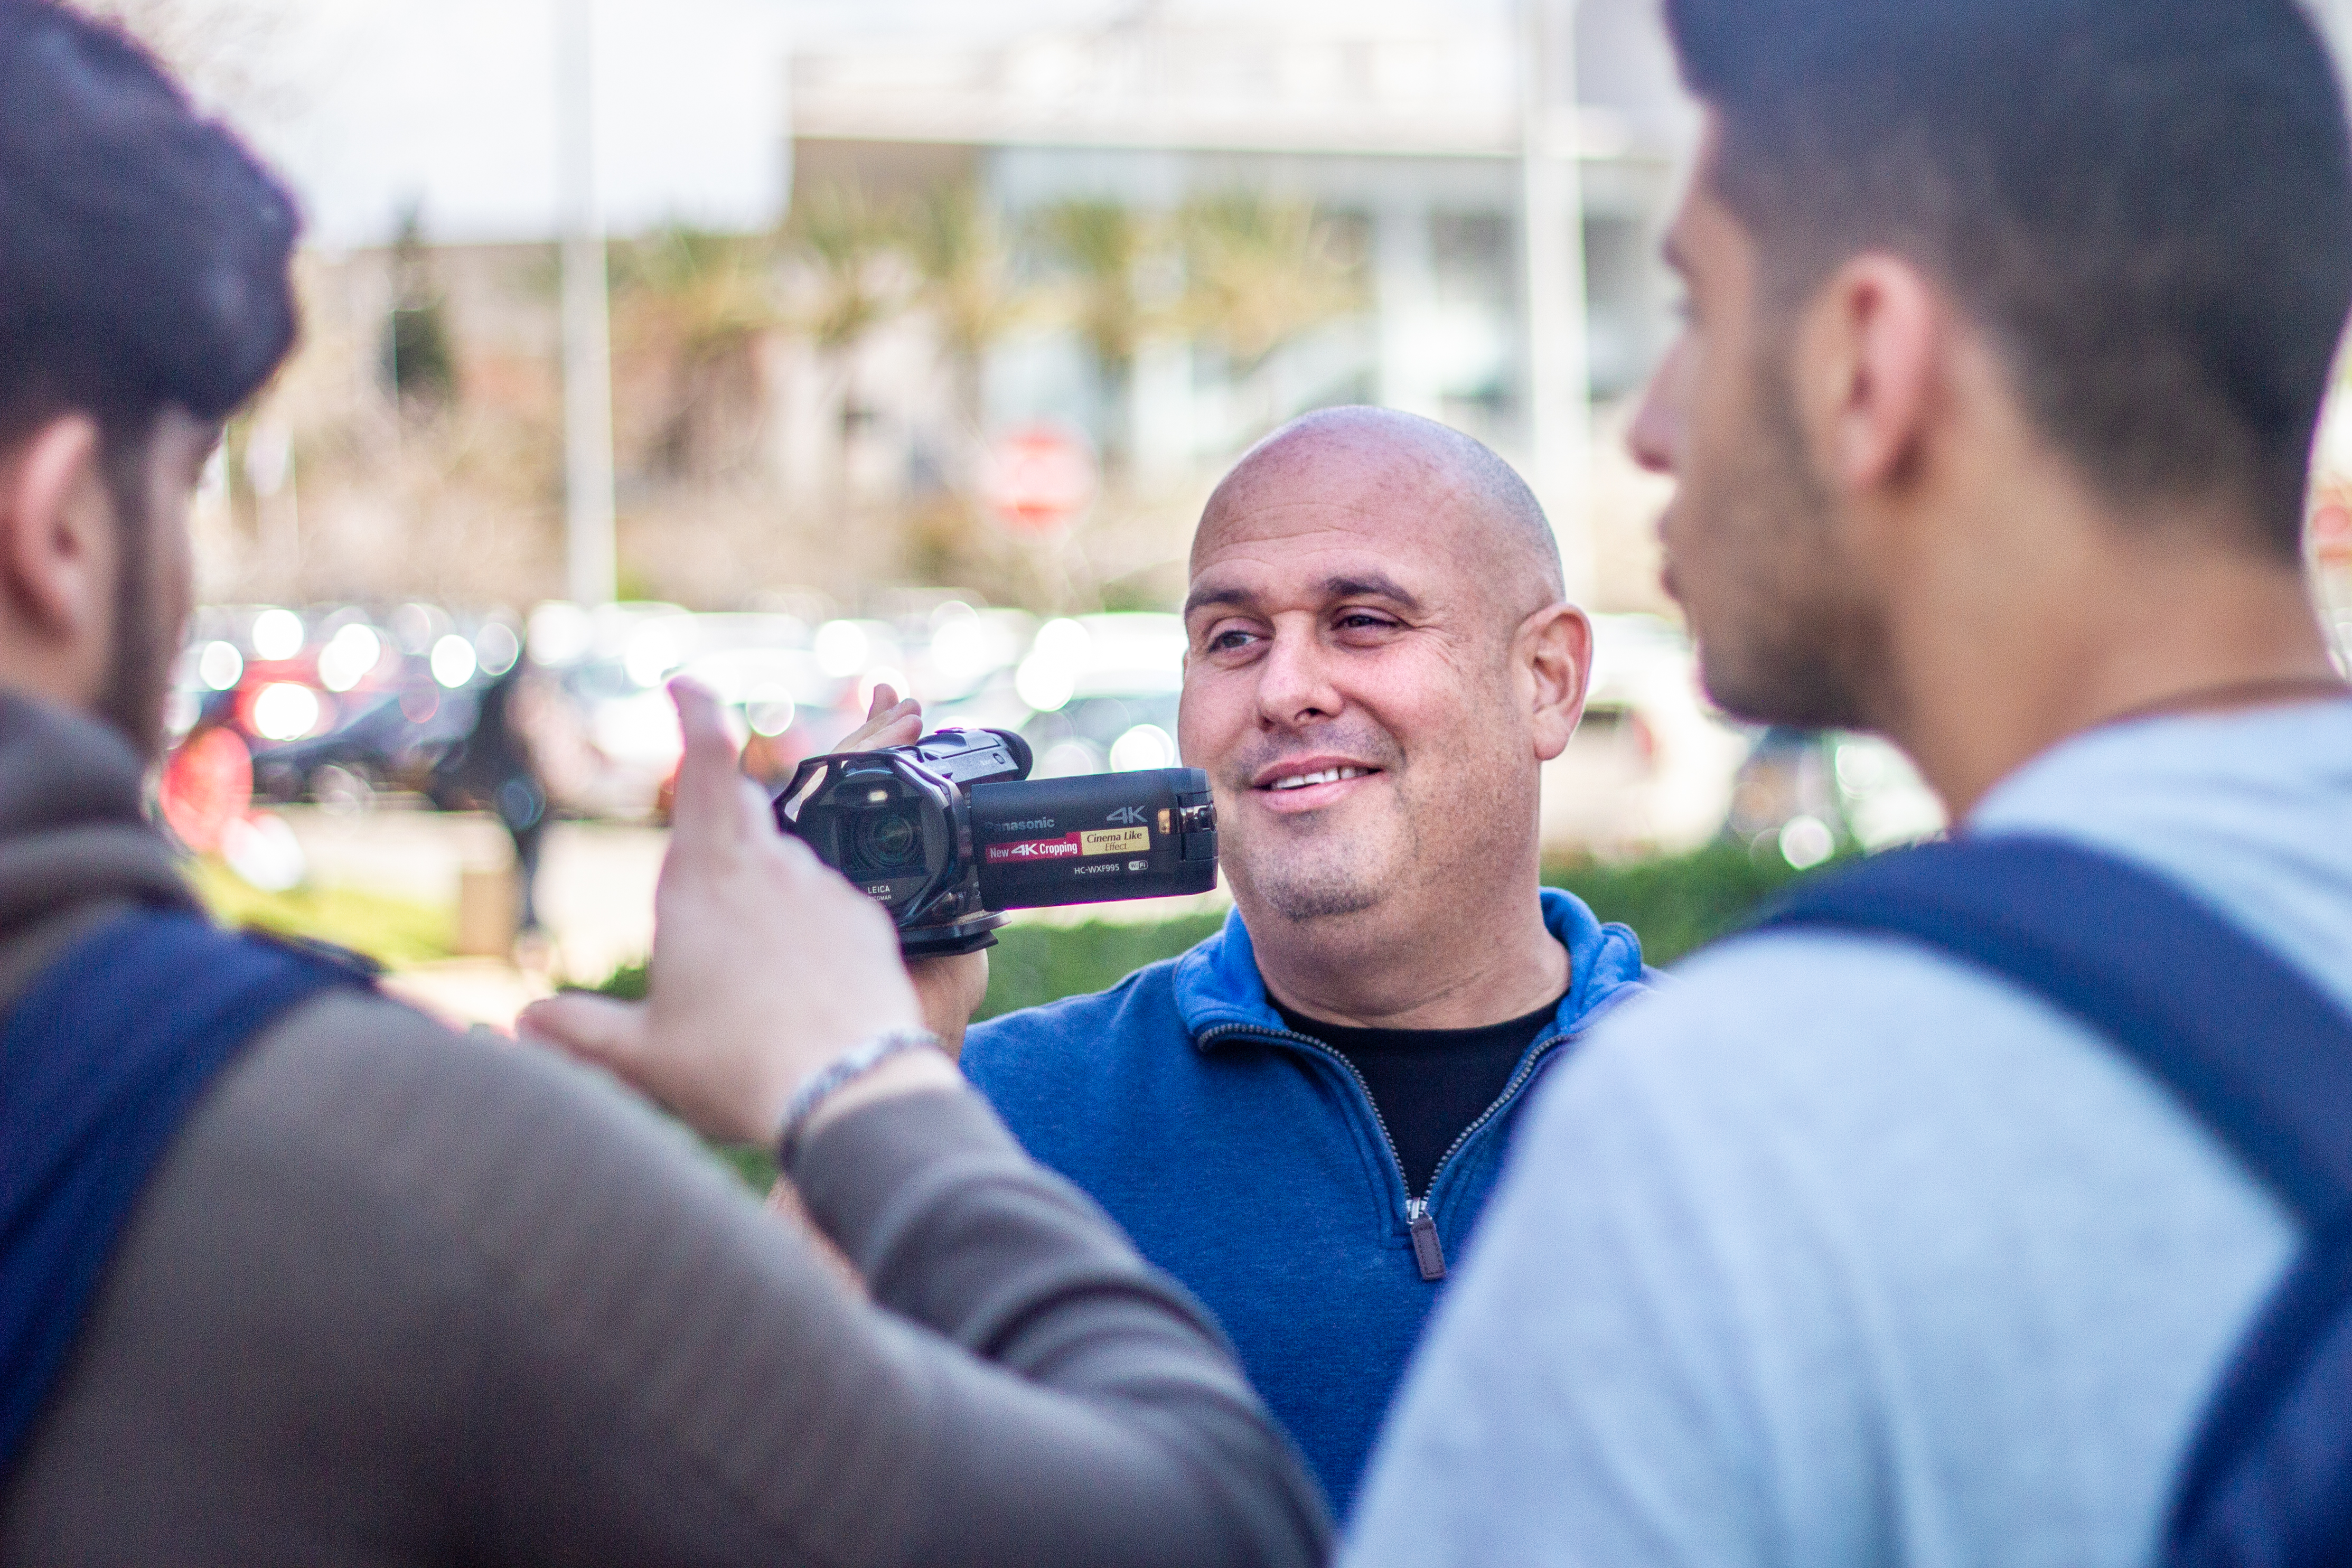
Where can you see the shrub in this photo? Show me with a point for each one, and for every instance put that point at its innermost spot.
(1034, 964)
(1678, 903)
(1675, 903)
(395, 932)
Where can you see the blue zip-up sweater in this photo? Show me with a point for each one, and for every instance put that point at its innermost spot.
(1249, 1162)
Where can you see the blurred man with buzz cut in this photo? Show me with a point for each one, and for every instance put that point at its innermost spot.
(1301, 1118)
(291, 1274)
(2009, 325)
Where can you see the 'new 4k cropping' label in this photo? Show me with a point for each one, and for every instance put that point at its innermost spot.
(1070, 846)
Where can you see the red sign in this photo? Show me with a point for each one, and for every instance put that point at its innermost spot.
(1039, 480)
(206, 785)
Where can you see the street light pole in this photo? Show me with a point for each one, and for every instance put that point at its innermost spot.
(1551, 241)
(590, 566)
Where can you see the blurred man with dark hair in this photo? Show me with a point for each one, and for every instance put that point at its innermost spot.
(2009, 325)
(290, 1274)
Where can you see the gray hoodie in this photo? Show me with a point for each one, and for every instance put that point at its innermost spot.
(398, 1296)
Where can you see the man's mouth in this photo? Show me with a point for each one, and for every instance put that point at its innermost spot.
(1320, 776)
(1283, 777)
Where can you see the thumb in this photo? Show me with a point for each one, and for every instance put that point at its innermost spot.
(599, 1030)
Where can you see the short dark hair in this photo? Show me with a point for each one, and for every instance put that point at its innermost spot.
(2146, 203)
(144, 252)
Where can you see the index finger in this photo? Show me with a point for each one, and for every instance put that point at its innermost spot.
(711, 804)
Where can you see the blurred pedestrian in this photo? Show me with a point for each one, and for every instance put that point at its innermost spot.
(496, 769)
(2009, 325)
(291, 1274)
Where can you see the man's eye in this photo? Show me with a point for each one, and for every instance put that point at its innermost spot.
(1226, 642)
(1364, 621)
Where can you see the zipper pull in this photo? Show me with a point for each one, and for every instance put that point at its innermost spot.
(1427, 1249)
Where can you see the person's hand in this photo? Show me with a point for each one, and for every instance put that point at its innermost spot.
(766, 965)
(888, 722)
(950, 990)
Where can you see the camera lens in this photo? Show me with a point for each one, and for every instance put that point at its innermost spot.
(888, 840)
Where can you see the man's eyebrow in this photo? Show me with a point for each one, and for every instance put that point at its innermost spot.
(1225, 597)
(1371, 585)
(1365, 585)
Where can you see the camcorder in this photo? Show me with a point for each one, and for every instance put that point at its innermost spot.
(949, 833)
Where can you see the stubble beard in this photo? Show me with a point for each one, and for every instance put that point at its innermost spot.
(1326, 873)
(139, 669)
(1328, 886)
(1795, 643)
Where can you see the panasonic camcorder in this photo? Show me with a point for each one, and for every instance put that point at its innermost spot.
(949, 833)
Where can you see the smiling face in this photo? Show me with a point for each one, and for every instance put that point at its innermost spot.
(1358, 683)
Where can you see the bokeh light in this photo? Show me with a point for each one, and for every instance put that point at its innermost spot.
(220, 665)
(453, 661)
(285, 710)
(277, 634)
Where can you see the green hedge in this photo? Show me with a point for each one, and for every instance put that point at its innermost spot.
(1033, 964)
(1678, 903)
(395, 932)
(1675, 903)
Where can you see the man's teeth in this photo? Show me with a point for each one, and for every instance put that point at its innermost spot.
(1327, 776)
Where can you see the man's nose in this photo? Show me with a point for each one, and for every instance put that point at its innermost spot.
(1294, 681)
(1655, 436)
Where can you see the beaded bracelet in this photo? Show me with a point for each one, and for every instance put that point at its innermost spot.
(845, 1070)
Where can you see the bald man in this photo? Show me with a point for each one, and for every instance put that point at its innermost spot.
(1302, 1117)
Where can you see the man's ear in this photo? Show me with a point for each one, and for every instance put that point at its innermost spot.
(57, 534)
(1555, 647)
(1866, 370)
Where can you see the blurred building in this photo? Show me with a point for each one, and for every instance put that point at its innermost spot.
(1398, 118)
(1167, 231)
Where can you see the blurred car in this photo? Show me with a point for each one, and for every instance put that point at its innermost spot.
(607, 736)
(957, 655)
(1102, 691)
(1104, 734)
(338, 703)
(1649, 767)
(1805, 794)
(790, 708)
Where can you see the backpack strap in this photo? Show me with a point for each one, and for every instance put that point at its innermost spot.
(101, 1059)
(2148, 964)
(2254, 1049)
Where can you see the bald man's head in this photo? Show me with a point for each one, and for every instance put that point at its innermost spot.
(1378, 660)
(1383, 461)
